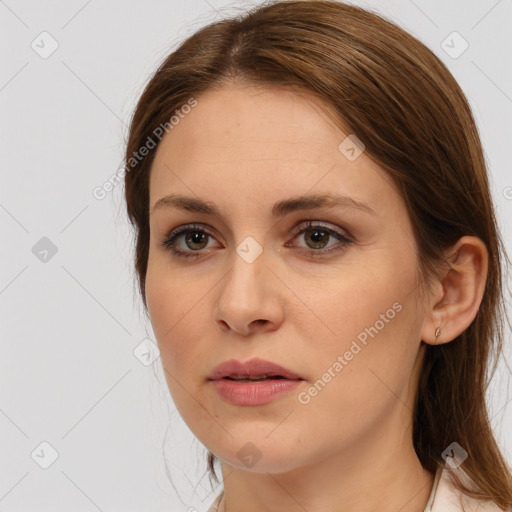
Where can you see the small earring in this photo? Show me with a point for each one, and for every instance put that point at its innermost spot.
(437, 333)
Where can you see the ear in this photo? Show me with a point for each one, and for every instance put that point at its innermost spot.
(458, 292)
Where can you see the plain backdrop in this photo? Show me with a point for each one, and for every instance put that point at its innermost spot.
(85, 420)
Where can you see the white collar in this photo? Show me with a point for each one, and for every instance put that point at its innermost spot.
(445, 497)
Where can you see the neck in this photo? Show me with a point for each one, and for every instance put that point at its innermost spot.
(368, 477)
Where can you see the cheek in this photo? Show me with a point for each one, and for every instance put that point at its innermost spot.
(357, 385)
(177, 311)
(361, 298)
(373, 331)
(175, 320)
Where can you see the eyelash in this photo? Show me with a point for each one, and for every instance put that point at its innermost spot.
(169, 239)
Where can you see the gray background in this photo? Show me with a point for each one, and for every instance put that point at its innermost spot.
(71, 321)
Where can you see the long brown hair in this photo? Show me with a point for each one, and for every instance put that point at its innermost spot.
(414, 120)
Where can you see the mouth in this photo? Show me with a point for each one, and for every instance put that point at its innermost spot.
(254, 383)
(251, 371)
(255, 378)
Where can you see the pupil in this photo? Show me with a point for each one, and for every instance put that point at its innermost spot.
(317, 236)
(195, 238)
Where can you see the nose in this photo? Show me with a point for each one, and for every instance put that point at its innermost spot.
(249, 299)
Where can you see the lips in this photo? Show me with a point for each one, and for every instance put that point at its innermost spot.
(252, 370)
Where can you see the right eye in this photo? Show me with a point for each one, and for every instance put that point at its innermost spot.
(193, 235)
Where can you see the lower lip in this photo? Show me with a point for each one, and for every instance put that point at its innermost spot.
(253, 393)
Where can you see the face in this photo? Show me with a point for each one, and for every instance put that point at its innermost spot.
(329, 292)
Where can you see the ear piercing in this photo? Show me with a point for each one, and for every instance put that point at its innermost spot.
(437, 333)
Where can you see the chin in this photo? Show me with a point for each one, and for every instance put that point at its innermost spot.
(258, 454)
(264, 465)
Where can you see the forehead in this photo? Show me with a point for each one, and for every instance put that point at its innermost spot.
(252, 143)
(253, 122)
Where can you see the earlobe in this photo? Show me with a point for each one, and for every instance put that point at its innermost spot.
(463, 286)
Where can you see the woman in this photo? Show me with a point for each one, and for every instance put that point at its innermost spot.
(317, 250)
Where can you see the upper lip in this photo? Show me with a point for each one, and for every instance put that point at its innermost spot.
(252, 368)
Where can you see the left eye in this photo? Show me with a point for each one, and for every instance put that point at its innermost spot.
(196, 239)
(319, 234)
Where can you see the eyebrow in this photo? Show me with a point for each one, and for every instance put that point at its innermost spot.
(280, 209)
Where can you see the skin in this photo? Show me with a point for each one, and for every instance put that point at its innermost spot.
(350, 448)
